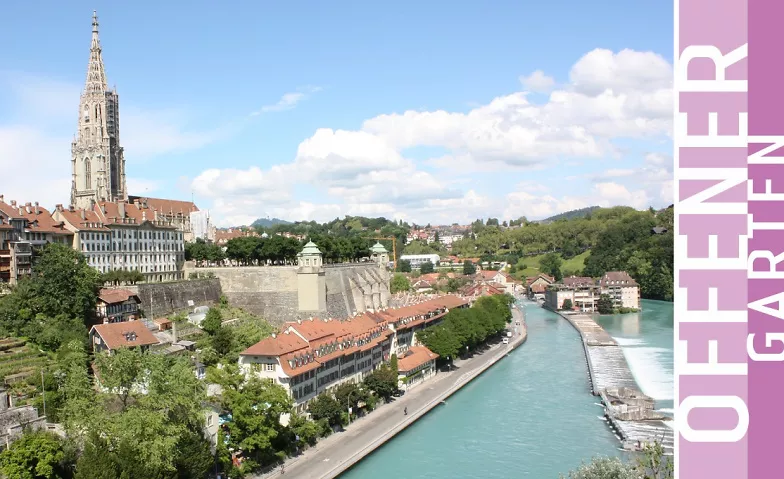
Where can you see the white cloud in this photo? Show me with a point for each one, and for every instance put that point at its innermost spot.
(36, 166)
(36, 130)
(523, 203)
(538, 82)
(613, 194)
(289, 100)
(609, 96)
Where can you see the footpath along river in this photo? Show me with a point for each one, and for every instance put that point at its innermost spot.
(532, 414)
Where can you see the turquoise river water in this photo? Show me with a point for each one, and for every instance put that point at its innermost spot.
(532, 414)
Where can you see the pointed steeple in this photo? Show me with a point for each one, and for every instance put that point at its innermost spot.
(96, 77)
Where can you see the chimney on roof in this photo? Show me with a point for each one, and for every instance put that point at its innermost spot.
(70, 208)
(58, 207)
(136, 203)
(274, 335)
(83, 215)
(2, 198)
(37, 209)
(13, 203)
(299, 321)
(121, 208)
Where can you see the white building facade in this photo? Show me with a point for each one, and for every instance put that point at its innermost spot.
(122, 236)
(417, 260)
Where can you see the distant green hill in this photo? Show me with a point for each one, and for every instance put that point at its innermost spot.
(570, 215)
(267, 222)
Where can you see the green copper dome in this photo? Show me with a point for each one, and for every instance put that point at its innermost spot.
(378, 248)
(310, 248)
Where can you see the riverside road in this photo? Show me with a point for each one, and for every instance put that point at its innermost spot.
(338, 452)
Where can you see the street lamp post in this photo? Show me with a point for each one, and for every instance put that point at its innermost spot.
(348, 405)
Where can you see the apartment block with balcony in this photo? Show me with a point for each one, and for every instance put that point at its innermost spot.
(315, 355)
(126, 236)
(622, 288)
(16, 254)
(584, 293)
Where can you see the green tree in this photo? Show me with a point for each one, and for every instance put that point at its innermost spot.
(383, 381)
(139, 433)
(37, 455)
(120, 372)
(194, 458)
(399, 283)
(426, 267)
(468, 268)
(325, 406)
(605, 304)
(404, 266)
(567, 305)
(223, 340)
(603, 468)
(441, 340)
(64, 283)
(551, 264)
(212, 321)
(255, 428)
(97, 460)
(654, 464)
(306, 430)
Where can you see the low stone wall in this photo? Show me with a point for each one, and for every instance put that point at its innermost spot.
(162, 299)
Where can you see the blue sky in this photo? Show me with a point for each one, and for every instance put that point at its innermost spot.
(427, 111)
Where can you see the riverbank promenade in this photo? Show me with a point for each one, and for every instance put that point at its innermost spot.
(629, 412)
(337, 453)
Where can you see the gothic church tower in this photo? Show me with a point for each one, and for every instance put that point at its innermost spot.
(98, 165)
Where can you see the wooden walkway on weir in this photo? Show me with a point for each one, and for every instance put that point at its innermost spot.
(608, 370)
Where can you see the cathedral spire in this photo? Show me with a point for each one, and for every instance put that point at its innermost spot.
(96, 77)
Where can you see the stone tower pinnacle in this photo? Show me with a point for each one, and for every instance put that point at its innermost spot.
(96, 76)
(97, 160)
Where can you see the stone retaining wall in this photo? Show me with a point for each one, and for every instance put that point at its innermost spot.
(162, 299)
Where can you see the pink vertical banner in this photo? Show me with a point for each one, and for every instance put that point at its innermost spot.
(766, 238)
(712, 239)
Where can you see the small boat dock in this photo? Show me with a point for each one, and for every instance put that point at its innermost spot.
(629, 412)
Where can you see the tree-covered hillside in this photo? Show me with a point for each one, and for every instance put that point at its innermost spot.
(570, 215)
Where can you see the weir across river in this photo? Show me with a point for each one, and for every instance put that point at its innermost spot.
(628, 411)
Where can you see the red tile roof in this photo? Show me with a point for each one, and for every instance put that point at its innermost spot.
(112, 296)
(301, 341)
(276, 346)
(167, 207)
(415, 357)
(617, 278)
(128, 334)
(573, 281)
(82, 220)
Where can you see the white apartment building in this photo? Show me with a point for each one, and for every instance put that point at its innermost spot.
(314, 355)
(622, 288)
(417, 260)
(126, 236)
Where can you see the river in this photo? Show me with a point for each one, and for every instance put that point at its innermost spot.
(647, 341)
(532, 414)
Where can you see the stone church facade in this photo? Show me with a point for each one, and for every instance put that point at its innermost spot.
(98, 158)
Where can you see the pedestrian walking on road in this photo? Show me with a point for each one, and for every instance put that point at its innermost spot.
(405, 411)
